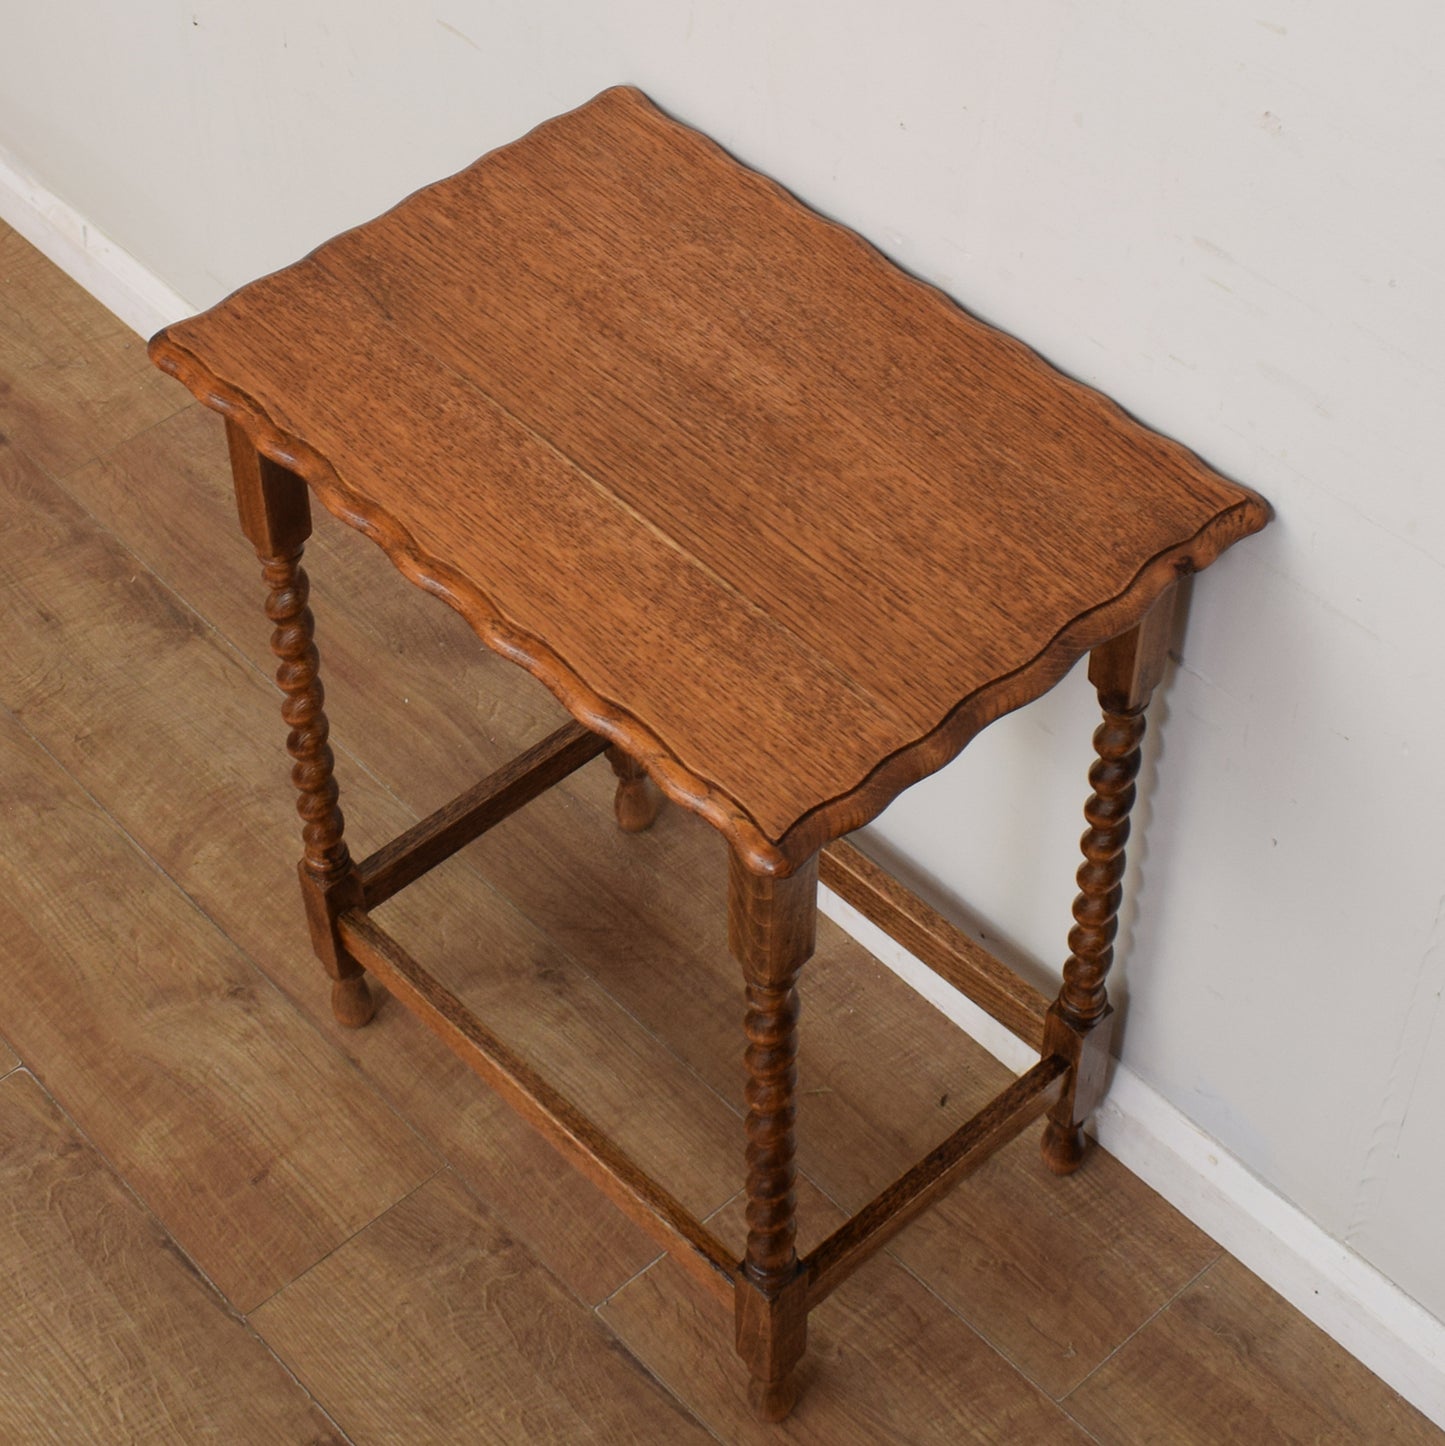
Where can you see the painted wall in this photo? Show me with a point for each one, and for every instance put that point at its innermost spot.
(1226, 215)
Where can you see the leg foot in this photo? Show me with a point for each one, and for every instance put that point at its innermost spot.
(773, 1400)
(1087, 1050)
(351, 1002)
(772, 1334)
(636, 806)
(1064, 1147)
(637, 802)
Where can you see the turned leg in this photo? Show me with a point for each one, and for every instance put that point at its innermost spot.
(1125, 671)
(276, 517)
(637, 802)
(772, 923)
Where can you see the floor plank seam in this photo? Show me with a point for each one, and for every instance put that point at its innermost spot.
(58, 477)
(544, 1269)
(342, 1437)
(612, 1295)
(954, 1311)
(1141, 1327)
(105, 453)
(346, 1240)
(661, 1256)
(168, 1244)
(687, 1411)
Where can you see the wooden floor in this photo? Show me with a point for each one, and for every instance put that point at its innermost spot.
(223, 1218)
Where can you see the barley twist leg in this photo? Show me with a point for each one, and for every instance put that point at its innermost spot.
(326, 868)
(1125, 670)
(275, 513)
(1083, 1001)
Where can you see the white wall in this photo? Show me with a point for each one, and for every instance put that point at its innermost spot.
(1226, 215)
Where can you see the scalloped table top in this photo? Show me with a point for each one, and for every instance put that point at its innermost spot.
(782, 521)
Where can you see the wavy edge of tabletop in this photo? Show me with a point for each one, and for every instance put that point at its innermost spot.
(906, 765)
(827, 820)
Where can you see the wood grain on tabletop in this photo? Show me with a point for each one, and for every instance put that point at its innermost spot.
(227, 834)
(732, 431)
(8, 1058)
(886, 1360)
(432, 1325)
(74, 379)
(251, 1138)
(1231, 1360)
(106, 1333)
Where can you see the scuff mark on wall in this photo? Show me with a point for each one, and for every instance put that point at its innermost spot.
(460, 36)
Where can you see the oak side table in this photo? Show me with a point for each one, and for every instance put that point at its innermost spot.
(782, 527)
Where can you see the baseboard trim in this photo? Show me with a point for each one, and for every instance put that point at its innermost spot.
(1370, 1316)
(1327, 1282)
(110, 273)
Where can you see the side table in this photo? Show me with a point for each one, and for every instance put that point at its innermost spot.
(782, 527)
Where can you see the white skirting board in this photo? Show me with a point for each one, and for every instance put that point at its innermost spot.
(1371, 1317)
(113, 276)
(1327, 1282)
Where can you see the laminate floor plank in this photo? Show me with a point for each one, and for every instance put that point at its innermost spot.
(106, 1333)
(1231, 1360)
(434, 1325)
(620, 1076)
(563, 1219)
(887, 1361)
(258, 1147)
(74, 380)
